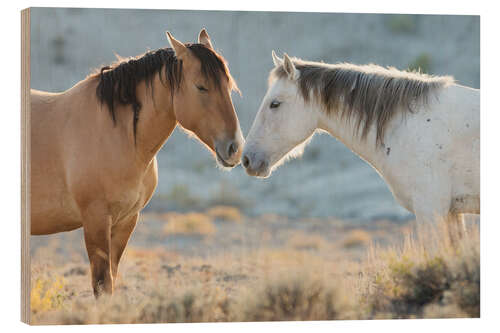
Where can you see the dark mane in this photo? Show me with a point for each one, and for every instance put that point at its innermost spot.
(371, 94)
(118, 82)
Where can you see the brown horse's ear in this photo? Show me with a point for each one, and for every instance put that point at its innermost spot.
(178, 47)
(204, 39)
(289, 67)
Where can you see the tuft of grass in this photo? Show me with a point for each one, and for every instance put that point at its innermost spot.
(190, 305)
(422, 63)
(189, 224)
(228, 195)
(303, 241)
(426, 274)
(194, 305)
(225, 213)
(182, 197)
(356, 238)
(402, 24)
(200, 166)
(295, 297)
(58, 44)
(46, 294)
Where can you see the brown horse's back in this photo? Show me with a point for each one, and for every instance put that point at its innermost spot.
(52, 207)
(79, 157)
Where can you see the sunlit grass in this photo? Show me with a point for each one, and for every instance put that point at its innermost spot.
(303, 241)
(427, 272)
(423, 276)
(225, 213)
(356, 238)
(46, 294)
(189, 223)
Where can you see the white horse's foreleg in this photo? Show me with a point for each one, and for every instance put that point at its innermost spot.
(456, 227)
(449, 221)
(429, 215)
(431, 211)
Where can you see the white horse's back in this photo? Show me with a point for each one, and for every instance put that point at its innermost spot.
(432, 162)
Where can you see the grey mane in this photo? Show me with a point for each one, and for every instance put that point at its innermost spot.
(371, 94)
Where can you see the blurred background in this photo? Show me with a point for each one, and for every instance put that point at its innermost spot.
(329, 181)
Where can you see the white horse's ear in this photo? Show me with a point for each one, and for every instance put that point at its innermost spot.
(204, 39)
(178, 47)
(277, 61)
(289, 67)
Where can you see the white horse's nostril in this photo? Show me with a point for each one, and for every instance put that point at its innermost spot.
(262, 165)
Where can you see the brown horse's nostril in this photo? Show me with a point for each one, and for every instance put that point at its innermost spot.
(245, 161)
(231, 149)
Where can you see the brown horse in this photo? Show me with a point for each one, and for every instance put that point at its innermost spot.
(94, 146)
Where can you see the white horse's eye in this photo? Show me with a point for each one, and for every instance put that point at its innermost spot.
(274, 104)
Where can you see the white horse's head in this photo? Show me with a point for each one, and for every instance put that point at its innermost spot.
(283, 125)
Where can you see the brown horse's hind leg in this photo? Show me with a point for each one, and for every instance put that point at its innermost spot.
(97, 233)
(120, 234)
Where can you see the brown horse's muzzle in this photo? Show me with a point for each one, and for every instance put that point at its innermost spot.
(228, 152)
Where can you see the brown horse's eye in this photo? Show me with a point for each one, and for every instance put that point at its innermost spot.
(202, 88)
(274, 104)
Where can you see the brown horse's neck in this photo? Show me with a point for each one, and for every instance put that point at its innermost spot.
(156, 119)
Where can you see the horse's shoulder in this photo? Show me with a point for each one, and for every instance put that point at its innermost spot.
(151, 177)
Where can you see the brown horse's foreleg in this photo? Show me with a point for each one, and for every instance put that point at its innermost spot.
(97, 233)
(120, 234)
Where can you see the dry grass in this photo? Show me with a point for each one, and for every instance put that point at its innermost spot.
(225, 213)
(303, 241)
(228, 195)
(426, 277)
(46, 294)
(423, 277)
(189, 223)
(357, 238)
(181, 197)
(295, 296)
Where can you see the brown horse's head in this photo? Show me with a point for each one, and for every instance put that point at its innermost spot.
(202, 102)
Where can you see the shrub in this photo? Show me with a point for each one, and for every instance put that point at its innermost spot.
(422, 63)
(225, 213)
(191, 306)
(408, 283)
(228, 195)
(303, 241)
(181, 197)
(190, 223)
(295, 298)
(356, 238)
(402, 24)
(46, 294)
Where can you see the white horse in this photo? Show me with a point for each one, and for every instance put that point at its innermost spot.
(419, 132)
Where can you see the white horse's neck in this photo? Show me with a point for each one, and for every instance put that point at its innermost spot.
(345, 131)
